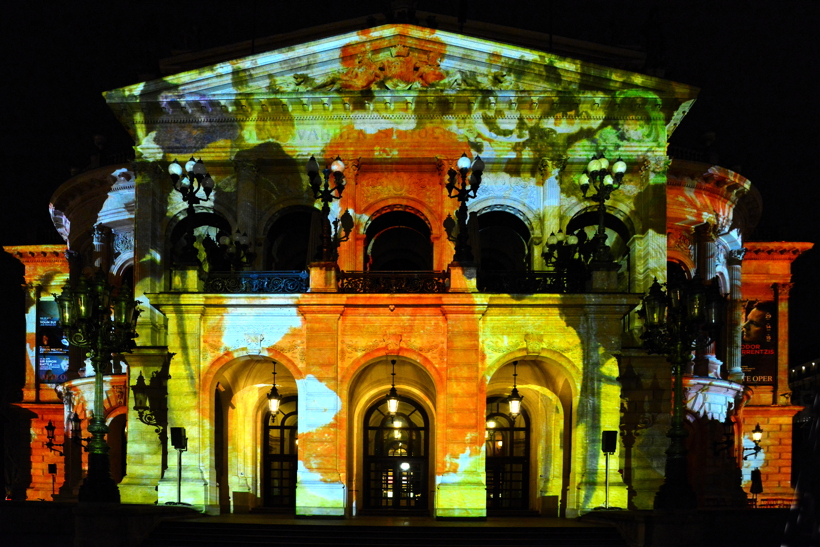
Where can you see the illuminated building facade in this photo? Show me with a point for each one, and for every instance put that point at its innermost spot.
(224, 295)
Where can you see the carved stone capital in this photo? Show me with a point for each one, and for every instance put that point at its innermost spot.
(148, 169)
(548, 166)
(735, 256)
(655, 164)
(782, 290)
(245, 168)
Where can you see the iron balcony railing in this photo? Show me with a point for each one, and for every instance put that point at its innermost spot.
(290, 282)
(393, 282)
(540, 282)
(258, 282)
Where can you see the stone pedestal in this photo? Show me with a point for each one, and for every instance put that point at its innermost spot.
(186, 279)
(603, 278)
(323, 276)
(463, 277)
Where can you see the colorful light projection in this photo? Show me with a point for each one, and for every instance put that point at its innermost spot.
(397, 97)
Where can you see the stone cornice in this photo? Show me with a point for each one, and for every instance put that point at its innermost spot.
(775, 250)
(712, 179)
(28, 254)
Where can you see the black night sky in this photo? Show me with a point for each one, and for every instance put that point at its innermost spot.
(753, 60)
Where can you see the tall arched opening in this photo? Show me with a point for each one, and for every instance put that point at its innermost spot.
(251, 466)
(533, 473)
(391, 461)
(507, 445)
(396, 458)
(280, 439)
(503, 242)
(398, 240)
(293, 238)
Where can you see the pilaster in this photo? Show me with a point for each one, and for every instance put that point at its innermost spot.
(781, 388)
(734, 316)
(146, 455)
(320, 490)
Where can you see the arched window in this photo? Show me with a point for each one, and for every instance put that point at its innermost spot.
(395, 460)
(293, 239)
(398, 241)
(508, 449)
(504, 240)
(280, 457)
(208, 228)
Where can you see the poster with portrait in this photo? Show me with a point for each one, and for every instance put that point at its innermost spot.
(52, 347)
(759, 342)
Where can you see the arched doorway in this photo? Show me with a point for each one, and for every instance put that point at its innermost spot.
(395, 460)
(280, 456)
(507, 450)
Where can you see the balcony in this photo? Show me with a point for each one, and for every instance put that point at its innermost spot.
(395, 282)
(281, 282)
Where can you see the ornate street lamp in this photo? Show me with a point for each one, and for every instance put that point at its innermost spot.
(50, 444)
(144, 396)
(274, 399)
(677, 322)
(188, 183)
(757, 435)
(514, 399)
(604, 179)
(563, 255)
(95, 316)
(236, 251)
(327, 192)
(457, 188)
(393, 395)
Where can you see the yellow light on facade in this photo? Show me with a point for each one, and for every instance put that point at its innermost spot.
(392, 395)
(757, 433)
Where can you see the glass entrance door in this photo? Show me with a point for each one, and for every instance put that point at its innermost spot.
(508, 447)
(280, 458)
(395, 463)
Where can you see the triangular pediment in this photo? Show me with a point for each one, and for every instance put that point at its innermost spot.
(399, 59)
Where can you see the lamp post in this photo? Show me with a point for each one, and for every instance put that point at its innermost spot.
(757, 436)
(458, 188)
(604, 179)
(393, 395)
(677, 322)
(514, 399)
(95, 316)
(274, 399)
(188, 183)
(563, 255)
(327, 192)
(236, 251)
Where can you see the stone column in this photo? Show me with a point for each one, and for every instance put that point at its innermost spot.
(151, 254)
(101, 236)
(782, 393)
(706, 364)
(549, 170)
(734, 316)
(246, 175)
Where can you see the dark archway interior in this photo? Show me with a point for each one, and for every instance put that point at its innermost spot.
(204, 224)
(398, 241)
(503, 240)
(289, 239)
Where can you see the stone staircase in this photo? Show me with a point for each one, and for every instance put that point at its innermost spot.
(206, 534)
